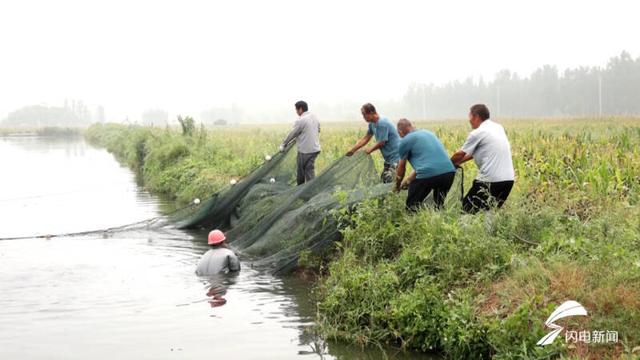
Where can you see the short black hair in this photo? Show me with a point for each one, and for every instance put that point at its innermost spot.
(481, 110)
(302, 105)
(368, 108)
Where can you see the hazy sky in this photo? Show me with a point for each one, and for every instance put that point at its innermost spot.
(187, 56)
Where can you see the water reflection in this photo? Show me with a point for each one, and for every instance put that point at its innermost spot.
(72, 146)
(218, 285)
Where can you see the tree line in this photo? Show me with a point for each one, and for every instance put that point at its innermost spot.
(74, 113)
(582, 91)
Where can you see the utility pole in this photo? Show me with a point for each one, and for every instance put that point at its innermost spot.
(599, 95)
(497, 100)
(424, 102)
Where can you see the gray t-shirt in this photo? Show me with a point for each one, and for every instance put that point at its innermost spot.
(489, 146)
(307, 132)
(217, 261)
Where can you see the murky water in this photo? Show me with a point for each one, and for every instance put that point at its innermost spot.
(127, 295)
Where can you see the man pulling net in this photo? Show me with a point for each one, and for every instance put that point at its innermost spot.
(387, 141)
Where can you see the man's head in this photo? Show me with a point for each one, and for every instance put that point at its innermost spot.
(301, 107)
(369, 113)
(216, 238)
(477, 114)
(404, 127)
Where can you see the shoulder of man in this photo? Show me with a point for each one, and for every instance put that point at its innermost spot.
(208, 252)
(475, 136)
(425, 132)
(415, 134)
(492, 127)
(491, 124)
(231, 254)
(387, 124)
(497, 125)
(384, 120)
(307, 115)
(476, 132)
(314, 118)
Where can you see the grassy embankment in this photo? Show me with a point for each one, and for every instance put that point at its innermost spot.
(469, 286)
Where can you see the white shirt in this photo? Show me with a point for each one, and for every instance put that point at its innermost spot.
(489, 146)
(307, 131)
(216, 261)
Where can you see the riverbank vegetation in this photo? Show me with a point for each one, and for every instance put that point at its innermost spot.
(465, 286)
(191, 161)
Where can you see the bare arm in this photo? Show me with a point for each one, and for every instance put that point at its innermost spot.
(409, 179)
(375, 147)
(362, 142)
(400, 171)
(460, 157)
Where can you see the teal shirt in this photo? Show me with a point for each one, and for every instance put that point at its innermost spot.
(385, 131)
(426, 154)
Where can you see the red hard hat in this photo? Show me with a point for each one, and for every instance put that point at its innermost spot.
(216, 237)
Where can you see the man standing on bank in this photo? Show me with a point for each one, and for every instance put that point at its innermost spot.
(488, 145)
(433, 170)
(307, 132)
(387, 141)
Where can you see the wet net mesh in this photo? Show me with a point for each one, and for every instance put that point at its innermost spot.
(270, 221)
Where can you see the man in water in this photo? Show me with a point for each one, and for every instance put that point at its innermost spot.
(219, 259)
(433, 170)
(488, 145)
(387, 140)
(307, 132)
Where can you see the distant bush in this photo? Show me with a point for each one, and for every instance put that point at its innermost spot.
(36, 116)
(187, 124)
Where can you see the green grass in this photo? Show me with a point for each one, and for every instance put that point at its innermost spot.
(466, 286)
(471, 287)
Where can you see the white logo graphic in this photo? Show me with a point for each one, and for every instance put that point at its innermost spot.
(568, 308)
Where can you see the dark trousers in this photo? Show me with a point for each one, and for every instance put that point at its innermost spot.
(306, 164)
(388, 173)
(419, 189)
(484, 195)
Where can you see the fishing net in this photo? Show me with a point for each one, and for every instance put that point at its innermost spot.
(270, 221)
(267, 218)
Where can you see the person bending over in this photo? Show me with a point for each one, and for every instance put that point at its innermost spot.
(433, 170)
(488, 146)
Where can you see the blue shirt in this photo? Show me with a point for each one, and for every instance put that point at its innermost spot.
(426, 154)
(385, 131)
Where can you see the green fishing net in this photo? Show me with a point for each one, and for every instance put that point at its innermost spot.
(269, 220)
